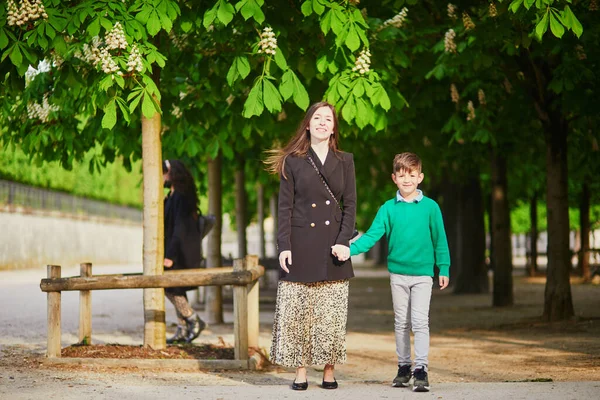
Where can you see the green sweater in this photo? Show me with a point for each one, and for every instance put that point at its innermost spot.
(415, 234)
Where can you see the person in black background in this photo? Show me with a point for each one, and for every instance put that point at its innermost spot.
(183, 247)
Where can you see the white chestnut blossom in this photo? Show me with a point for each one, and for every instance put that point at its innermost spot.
(481, 97)
(363, 62)
(471, 108)
(176, 112)
(593, 5)
(449, 44)
(454, 94)
(115, 38)
(492, 11)
(580, 53)
(135, 60)
(452, 11)
(268, 42)
(28, 11)
(398, 20)
(467, 21)
(109, 66)
(41, 111)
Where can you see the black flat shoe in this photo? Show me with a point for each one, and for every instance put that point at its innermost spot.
(299, 385)
(330, 385)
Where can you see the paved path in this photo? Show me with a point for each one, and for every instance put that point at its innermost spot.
(117, 317)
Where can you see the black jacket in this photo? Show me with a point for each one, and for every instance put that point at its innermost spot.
(182, 238)
(310, 222)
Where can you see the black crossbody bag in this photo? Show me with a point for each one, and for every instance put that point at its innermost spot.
(355, 233)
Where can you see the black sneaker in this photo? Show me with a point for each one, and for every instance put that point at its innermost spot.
(401, 380)
(420, 383)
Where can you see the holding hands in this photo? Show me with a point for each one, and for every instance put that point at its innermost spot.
(341, 252)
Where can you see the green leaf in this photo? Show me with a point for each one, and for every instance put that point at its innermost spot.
(280, 60)
(352, 40)
(349, 110)
(225, 12)
(362, 113)
(136, 100)
(233, 73)
(59, 45)
(165, 21)
(243, 66)
(272, 98)
(318, 7)
(254, 103)
(556, 27)
(209, 17)
(542, 26)
(123, 106)
(148, 108)
(358, 89)
(300, 94)
(3, 39)
(120, 81)
(93, 28)
(110, 115)
(572, 22)
(186, 26)
(326, 21)
(106, 83)
(286, 87)
(153, 24)
(322, 63)
(15, 55)
(528, 3)
(384, 100)
(307, 8)
(514, 6)
(338, 21)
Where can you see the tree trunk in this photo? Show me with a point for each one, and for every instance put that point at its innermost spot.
(471, 275)
(452, 213)
(273, 211)
(502, 254)
(558, 304)
(260, 216)
(153, 257)
(532, 266)
(214, 297)
(584, 227)
(240, 209)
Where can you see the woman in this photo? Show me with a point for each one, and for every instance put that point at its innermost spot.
(182, 244)
(317, 206)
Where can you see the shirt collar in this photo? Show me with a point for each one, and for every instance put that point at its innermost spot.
(417, 199)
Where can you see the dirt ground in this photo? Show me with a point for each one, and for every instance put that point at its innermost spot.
(470, 340)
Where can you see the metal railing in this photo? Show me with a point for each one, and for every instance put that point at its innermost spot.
(18, 194)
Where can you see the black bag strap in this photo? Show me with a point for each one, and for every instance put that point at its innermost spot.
(324, 182)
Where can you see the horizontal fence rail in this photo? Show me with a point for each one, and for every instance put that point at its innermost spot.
(18, 194)
(189, 277)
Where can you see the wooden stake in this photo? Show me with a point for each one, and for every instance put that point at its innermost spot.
(53, 315)
(85, 307)
(240, 314)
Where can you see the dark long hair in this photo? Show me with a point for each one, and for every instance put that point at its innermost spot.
(182, 181)
(299, 144)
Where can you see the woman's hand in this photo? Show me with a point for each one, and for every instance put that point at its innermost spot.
(284, 256)
(341, 252)
(168, 263)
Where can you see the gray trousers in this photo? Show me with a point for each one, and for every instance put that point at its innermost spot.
(411, 296)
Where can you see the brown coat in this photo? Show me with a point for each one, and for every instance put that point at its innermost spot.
(310, 222)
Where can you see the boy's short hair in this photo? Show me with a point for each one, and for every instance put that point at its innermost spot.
(407, 162)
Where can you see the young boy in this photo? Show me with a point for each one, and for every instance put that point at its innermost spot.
(416, 237)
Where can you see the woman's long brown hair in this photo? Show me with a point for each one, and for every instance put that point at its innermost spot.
(299, 144)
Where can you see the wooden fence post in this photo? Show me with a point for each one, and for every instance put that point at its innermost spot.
(253, 316)
(53, 315)
(240, 314)
(85, 307)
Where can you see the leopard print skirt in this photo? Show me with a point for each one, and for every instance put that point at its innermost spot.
(310, 323)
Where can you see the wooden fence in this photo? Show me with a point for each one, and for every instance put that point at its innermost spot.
(243, 276)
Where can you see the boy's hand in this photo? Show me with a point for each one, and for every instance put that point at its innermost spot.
(284, 256)
(341, 252)
(444, 281)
